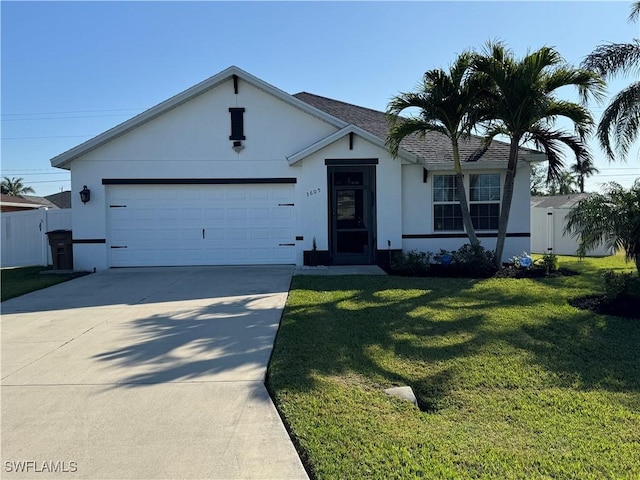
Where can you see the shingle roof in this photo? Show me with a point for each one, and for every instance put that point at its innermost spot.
(29, 201)
(434, 147)
(558, 201)
(39, 200)
(61, 199)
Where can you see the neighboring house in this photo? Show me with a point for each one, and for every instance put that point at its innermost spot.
(236, 171)
(548, 223)
(11, 203)
(60, 199)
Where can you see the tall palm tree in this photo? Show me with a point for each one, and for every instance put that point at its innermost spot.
(611, 218)
(15, 186)
(524, 106)
(620, 121)
(446, 102)
(583, 169)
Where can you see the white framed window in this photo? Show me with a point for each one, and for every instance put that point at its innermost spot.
(484, 196)
(447, 215)
(484, 200)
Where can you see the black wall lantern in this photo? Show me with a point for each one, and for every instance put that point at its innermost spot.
(85, 194)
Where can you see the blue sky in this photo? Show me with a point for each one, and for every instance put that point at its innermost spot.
(71, 70)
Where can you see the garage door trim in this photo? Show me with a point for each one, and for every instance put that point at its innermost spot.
(196, 181)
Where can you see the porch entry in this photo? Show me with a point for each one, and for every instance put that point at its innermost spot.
(352, 212)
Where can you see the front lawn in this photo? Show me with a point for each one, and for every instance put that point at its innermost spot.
(18, 281)
(512, 381)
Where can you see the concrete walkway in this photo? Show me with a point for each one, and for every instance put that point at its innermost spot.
(150, 373)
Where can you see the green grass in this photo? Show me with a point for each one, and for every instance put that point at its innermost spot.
(514, 383)
(18, 281)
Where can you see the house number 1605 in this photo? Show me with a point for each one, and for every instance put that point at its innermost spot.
(315, 191)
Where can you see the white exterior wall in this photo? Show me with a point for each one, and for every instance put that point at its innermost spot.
(312, 177)
(417, 212)
(192, 141)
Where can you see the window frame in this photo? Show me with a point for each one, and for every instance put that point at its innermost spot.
(467, 185)
(486, 202)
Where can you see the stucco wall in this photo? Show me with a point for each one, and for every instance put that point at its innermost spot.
(313, 198)
(417, 212)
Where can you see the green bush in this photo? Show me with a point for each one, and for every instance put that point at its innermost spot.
(549, 262)
(474, 261)
(412, 263)
(617, 284)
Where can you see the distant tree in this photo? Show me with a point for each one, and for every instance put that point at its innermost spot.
(583, 169)
(563, 184)
(538, 181)
(15, 186)
(620, 122)
(610, 218)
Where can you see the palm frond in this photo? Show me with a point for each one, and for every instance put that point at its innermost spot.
(635, 12)
(589, 83)
(610, 218)
(551, 142)
(620, 120)
(614, 58)
(578, 114)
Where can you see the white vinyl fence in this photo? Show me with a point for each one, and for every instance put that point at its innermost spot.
(24, 235)
(547, 233)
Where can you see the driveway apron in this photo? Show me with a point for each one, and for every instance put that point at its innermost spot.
(147, 373)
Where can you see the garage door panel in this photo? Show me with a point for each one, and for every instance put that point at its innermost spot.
(163, 225)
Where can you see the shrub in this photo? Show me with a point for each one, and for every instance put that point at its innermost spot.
(474, 261)
(549, 262)
(410, 263)
(617, 284)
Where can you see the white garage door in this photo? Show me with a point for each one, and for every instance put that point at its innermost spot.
(167, 225)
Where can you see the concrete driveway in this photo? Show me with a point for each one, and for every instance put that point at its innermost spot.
(145, 373)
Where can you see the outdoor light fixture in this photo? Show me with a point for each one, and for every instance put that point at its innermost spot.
(85, 194)
(237, 146)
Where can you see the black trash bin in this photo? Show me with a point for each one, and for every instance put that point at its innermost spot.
(61, 249)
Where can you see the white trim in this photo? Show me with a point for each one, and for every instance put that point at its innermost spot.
(534, 158)
(33, 206)
(63, 160)
(334, 137)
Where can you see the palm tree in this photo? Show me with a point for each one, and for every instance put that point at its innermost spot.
(583, 169)
(563, 184)
(446, 103)
(15, 186)
(524, 106)
(621, 118)
(611, 218)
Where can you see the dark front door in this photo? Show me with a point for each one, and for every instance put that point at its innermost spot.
(352, 214)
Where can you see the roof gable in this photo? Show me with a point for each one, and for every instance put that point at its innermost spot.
(334, 137)
(65, 158)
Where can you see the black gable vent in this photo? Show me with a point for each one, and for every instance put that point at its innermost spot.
(237, 124)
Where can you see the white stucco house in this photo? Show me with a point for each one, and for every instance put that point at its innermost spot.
(235, 171)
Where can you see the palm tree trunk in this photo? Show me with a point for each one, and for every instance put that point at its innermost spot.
(507, 196)
(462, 196)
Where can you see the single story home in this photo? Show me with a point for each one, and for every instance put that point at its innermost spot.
(235, 171)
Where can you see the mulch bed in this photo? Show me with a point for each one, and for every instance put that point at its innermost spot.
(623, 306)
